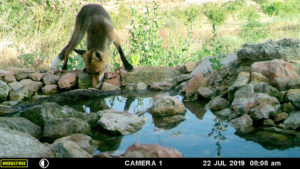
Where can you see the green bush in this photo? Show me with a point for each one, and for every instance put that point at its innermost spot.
(215, 13)
(277, 8)
(254, 31)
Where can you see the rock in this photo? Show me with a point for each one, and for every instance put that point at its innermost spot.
(287, 49)
(60, 127)
(258, 78)
(288, 107)
(196, 81)
(242, 123)
(243, 105)
(36, 76)
(68, 149)
(268, 122)
(32, 86)
(84, 80)
(121, 122)
(293, 121)
(21, 124)
(50, 89)
(242, 79)
(293, 96)
(113, 78)
(85, 142)
(183, 77)
(217, 104)
(20, 73)
(188, 67)
(141, 86)
(262, 111)
(279, 72)
(294, 83)
(41, 113)
(265, 98)
(15, 144)
(4, 90)
(263, 87)
(9, 78)
(150, 151)
(18, 91)
(165, 85)
(110, 75)
(109, 87)
(148, 75)
(245, 91)
(67, 81)
(205, 67)
(4, 73)
(280, 116)
(226, 113)
(50, 78)
(168, 122)
(205, 92)
(166, 106)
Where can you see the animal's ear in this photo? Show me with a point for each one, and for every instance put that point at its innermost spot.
(80, 52)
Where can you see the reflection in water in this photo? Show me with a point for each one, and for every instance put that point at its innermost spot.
(106, 141)
(217, 134)
(168, 122)
(271, 140)
(196, 134)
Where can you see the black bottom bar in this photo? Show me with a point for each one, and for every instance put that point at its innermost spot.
(150, 162)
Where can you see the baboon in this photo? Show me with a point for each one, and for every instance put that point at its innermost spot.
(94, 20)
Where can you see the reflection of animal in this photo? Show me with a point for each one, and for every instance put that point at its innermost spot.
(94, 20)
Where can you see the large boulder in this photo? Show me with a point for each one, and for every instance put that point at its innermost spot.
(148, 75)
(39, 114)
(21, 124)
(205, 67)
(279, 72)
(15, 144)
(167, 106)
(150, 151)
(286, 49)
(120, 122)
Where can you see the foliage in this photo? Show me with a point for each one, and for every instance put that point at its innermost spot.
(35, 31)
(215, 13)
(254, 31)
(278, 8)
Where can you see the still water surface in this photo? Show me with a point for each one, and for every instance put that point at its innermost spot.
(198, 133)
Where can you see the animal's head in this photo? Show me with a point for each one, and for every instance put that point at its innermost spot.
(95, 64)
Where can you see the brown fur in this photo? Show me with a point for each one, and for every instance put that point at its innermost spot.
(94, 20)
